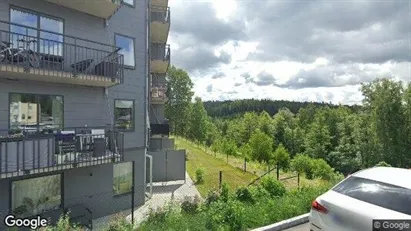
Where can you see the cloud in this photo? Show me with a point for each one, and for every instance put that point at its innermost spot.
(210, 88)
(218, 75)
(264, 79)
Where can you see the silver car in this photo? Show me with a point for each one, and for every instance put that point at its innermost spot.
(379, 193)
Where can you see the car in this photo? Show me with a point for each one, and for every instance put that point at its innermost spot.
(378, 193)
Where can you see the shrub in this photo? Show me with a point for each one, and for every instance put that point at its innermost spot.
(119, 223)
(274, 187)
(244, 194)
(322, 170)
(225, 192)
(383, 164)
(282, 157)
(212, 197)
(302, 163)
(258, 192)
(200, 176)
(190, 205)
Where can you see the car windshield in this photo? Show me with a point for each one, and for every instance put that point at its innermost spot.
(374, 192)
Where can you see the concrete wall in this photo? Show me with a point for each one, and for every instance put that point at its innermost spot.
(168, 165)
(161, 143)
(89, 105)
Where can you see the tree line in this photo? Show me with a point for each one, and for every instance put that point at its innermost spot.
(346, 138)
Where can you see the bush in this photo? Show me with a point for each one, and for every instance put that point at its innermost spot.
(244, 194)
(200, 176)
(383, 164)
(190, 205)
(212, 196)
(302, 163)
(274, 187)
(119, 223)
(225, 192)
(322, 170)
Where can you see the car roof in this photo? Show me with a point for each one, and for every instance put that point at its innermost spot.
(390, 175)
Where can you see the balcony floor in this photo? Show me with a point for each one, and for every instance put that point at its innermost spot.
(159, 32)
(159, 66)
(55, 76)
(161, 3)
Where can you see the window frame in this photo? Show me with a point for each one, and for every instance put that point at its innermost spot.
(132, 129)
(134, 49)
(38, 26)
(36, 96)
(133, 5)
(61, 176)
(132, 178)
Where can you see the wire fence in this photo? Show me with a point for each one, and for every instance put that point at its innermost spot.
(92, 211)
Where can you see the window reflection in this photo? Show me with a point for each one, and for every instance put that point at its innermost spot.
(127, 49)
(33, 112)
(123, 114)
(122, 178)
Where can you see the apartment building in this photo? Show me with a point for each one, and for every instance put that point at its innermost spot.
(91, 76)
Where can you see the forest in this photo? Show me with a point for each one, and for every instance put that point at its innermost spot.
(347, 138)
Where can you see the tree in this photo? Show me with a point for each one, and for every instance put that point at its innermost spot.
(261, 146)
(198, 121)
(302, 163)
(317, 141)
(179, 93)
(282, 157)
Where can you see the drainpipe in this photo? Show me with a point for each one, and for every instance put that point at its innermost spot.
(151, 174)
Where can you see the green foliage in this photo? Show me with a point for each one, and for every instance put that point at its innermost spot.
(282, 157)
(302, 163)
(383, 164)
(244, 194)
(322, 170)
(119, 223)
(190, 205)
(225, 192)
(274, 187)
(200, 176)
(261, 146)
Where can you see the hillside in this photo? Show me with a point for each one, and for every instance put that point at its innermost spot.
(231, 108)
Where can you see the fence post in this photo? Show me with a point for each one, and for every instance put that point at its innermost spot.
(298, 180)
(278, 171)
(227, 158)
(221, 179)
(245, 165)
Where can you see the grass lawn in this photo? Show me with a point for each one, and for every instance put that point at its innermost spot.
(202, 157)
(198, 158)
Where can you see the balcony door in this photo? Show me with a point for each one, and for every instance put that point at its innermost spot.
(48, 31)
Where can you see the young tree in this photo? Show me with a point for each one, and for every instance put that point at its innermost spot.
(179, 93)
(282, 157)
(261, 146)
(198, 121)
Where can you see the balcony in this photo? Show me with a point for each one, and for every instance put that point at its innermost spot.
(160, 24)
(161, 3)
(99, 8)
(158, 95)
(160, 57)
(32, 54)
(24, 152)
(160, 129)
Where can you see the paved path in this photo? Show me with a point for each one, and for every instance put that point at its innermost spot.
(303, 227)
(163, 193)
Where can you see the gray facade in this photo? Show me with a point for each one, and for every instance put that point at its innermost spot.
(91, 106)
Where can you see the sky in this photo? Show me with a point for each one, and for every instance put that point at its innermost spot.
(290, 50)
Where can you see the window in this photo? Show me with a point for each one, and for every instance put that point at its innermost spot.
(127, 49)
(122, 178)
(48, 43)
(124, 114)
(381, 194)
(43, 111)
(129, 2)
(36, 195)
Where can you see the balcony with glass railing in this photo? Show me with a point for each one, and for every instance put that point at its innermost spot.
(99, 8)
(28, 53)
(160, 23)
(31, 151)
(160, 57)
(158, 95)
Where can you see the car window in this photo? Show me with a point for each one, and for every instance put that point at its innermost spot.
(374, 192)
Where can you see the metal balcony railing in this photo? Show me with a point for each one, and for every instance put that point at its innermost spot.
(160, 129)
(64, 58)
(24, 152)
(160, 51)
(160, 14)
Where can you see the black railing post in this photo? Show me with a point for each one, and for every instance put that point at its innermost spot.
(298, 180)
(132, 197)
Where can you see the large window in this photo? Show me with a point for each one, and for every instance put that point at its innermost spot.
(127, 49)
(124, 114)
(35, 112)
(378, 193)
(36, 195)
(47, 43)
(122, 178)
